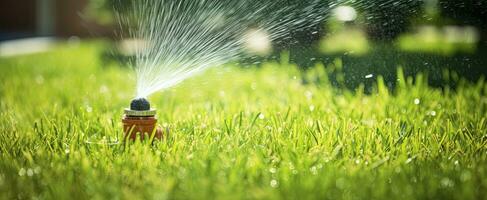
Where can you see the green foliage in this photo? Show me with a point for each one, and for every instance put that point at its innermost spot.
(236, 133)
(353, 41)
(430, 39)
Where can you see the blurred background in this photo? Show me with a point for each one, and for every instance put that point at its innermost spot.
(367, 38)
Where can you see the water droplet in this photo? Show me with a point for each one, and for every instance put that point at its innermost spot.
(369, 75)
(446, 182)
(432, 113)
(30, 172)
(261, 116)
(21, 172)
(308, 94)
(274, 183)
(417, 101)
(313, 170)
(273, 170)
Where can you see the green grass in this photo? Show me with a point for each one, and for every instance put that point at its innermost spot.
(253, 133)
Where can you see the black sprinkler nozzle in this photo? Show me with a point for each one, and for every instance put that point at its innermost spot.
(140, 104)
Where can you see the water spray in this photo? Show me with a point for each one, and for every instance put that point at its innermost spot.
(140, 121)
(178, 39)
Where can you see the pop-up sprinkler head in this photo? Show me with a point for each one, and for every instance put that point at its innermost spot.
(139, 120)
(140, 104)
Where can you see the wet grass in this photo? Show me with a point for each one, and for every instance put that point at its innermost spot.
(255, 133)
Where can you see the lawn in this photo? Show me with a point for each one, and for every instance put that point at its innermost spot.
(236, 133)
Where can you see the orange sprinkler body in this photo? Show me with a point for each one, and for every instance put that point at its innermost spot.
(140, 121)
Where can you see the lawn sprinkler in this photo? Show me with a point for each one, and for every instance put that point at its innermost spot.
(140, 121)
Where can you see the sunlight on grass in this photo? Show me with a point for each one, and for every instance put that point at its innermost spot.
(236, 133)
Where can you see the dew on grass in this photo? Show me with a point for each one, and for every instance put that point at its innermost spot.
(261, 116)
(417, 101)
(272, 170)
(369, 75)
